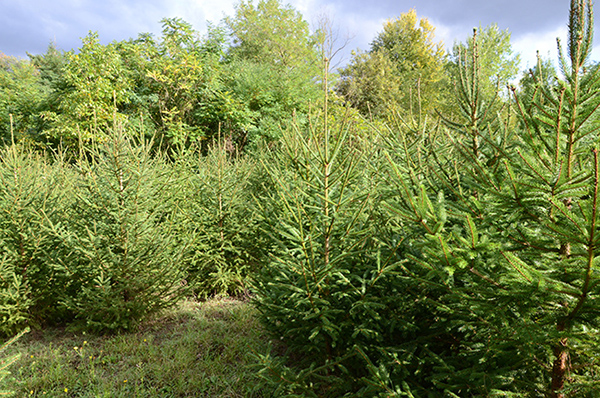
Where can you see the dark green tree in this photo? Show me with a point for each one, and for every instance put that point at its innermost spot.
(509, 236)
(216, 209)
(50, 65)
(117, 255)
(32, 189)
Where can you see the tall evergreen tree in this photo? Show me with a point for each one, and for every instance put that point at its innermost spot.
(515, 249)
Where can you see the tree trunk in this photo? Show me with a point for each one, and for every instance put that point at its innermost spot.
(559, 369)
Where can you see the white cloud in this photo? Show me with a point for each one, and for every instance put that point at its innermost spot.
(449, 34)
(544, 42)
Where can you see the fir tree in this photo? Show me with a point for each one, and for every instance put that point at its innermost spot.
(510, 234)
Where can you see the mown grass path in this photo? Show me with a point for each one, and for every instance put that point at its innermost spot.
(195, 350)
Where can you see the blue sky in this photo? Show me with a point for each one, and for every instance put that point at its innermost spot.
(30, 25)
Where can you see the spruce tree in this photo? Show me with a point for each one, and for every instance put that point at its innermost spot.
(509, 235)
(117, 254)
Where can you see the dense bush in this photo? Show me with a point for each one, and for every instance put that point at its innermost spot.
(118, 256)
(217, 211)
(32, 190)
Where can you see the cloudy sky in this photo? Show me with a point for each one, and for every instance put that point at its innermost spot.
(30, 25)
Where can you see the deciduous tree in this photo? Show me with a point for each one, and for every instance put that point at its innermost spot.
(21, 93)
(95, 85)
(403, 70)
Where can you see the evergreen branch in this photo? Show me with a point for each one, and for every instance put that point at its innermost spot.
(478, 171)
(472, 230)
(515, 266)
(527, 244)
(486, 278)
(558, 126)
(513, 183)
(534, 169)
(408, 195)
(444, 249)
(590, 245)
(585, 119)
(522, 112)
(568, 216)
(458, 194)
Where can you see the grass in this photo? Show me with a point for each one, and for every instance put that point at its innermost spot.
(195, 350)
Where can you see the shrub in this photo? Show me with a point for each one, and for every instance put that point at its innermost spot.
(118, 255)
(31, 189)
(217, 210)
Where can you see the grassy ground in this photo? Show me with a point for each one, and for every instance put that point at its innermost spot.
(196, 350)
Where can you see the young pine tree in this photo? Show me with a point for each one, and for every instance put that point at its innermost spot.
(32, 190)
(119, 257)
(217, 211)
(512, 244)
(323, 294)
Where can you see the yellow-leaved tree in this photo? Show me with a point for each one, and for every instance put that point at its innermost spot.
(402, 72)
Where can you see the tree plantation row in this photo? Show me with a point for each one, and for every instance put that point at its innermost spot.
(408, 234)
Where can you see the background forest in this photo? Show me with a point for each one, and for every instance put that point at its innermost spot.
(416, 223)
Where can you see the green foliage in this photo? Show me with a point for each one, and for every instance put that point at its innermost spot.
(368, 84)
(21, 93)
(498, 64)
(217, 210)
(95, 84)
(409, 42)
(402, 72)
(511, 242)
(6, 362)
(273, 34)
(30, 191)
(482, 266)
(324, 291)
(179, 86)
(175, 75)
(271, 97)
(118, 257)
(478, 109)
(272, 65)
(50, 66)
(489, 59)
(542, 75)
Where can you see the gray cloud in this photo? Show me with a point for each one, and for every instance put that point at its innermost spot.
(519, 16)
(533, 24)
(29, 25)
